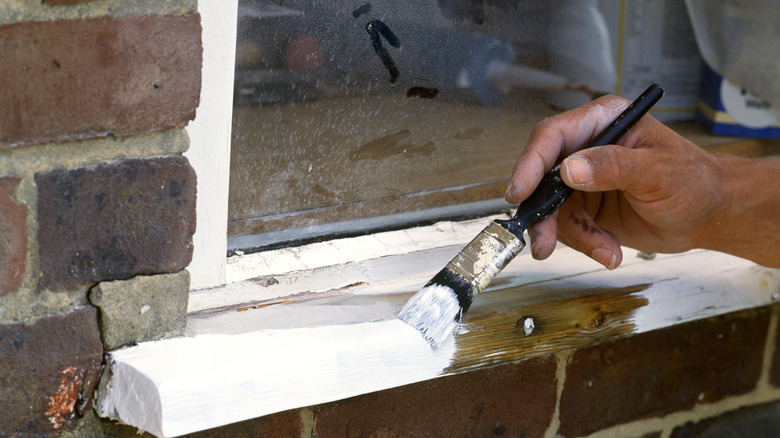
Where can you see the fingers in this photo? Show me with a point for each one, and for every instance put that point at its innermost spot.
(579, 231)
(573, 226)
(543, 237)
(559, 136)
(604, 168)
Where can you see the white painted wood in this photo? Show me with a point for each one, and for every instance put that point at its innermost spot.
(260, 373)
(328, 331)
(336, 264)
(209, 152)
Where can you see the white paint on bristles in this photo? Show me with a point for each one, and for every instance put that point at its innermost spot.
(433, 311)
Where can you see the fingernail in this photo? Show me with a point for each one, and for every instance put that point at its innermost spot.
(605, 257)
(512, 192)
(578, 170)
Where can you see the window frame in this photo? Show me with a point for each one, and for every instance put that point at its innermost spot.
(209, 152)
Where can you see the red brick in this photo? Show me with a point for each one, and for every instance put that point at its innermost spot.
(511, 400)
(49, 372)
(661, 372)
(13, 237)
(114, 221)
(74, 79)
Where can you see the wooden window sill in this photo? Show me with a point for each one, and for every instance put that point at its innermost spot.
(302, 326)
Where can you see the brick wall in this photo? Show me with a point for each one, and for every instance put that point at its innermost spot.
(97, 203)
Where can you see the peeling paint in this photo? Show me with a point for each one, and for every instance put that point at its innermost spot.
(62, 405)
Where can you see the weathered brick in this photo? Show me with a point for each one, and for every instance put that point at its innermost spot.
(511, 400)
(74, 79)
(759, 421)
(49, 372)
(142, 308)
(115, 220)
(282, 425)
(774, 369)
(13, 237)
(664, 371)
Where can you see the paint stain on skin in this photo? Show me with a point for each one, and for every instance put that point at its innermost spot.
(586, 226)
(468, 134)
(494, 338)
(392, 144)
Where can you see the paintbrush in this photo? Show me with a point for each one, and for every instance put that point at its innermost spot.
(436, 309)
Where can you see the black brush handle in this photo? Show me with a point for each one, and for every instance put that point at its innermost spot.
(552, 192)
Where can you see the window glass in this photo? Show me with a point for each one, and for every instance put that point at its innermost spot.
(350, 116)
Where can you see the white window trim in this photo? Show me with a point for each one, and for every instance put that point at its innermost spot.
(209, 152)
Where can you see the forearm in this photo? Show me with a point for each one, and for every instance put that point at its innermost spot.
(748, 224)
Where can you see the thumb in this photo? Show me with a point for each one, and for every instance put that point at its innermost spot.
(602, 168)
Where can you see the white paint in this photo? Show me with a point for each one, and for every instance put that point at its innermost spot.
(234, 365)
(340, 251)
(433, 311)
(380, 262)
(528, 326)
(145, 308)
(212, 380)
(209, 152)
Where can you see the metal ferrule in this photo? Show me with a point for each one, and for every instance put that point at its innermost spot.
(482, 259)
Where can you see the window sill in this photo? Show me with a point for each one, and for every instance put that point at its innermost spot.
(309, 325)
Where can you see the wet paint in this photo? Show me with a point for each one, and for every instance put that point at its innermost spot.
(492, 336)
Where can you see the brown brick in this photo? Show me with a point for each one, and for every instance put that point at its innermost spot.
(511, 400)
(774, 370)
(115, 220)
(280, 425)
(13, 237)
(74, 79)
(661, 372)
(758, 421)
(49, 372)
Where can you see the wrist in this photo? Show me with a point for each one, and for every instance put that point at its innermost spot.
(747, 221)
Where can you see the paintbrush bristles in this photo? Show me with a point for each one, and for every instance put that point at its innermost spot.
(436, 309)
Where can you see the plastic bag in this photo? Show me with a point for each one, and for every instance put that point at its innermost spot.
(740, 40)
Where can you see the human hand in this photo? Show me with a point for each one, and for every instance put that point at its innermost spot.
(654, 192)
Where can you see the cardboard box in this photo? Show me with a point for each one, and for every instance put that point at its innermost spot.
(726, 109)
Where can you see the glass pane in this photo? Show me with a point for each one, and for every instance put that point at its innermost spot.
(355, 115)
